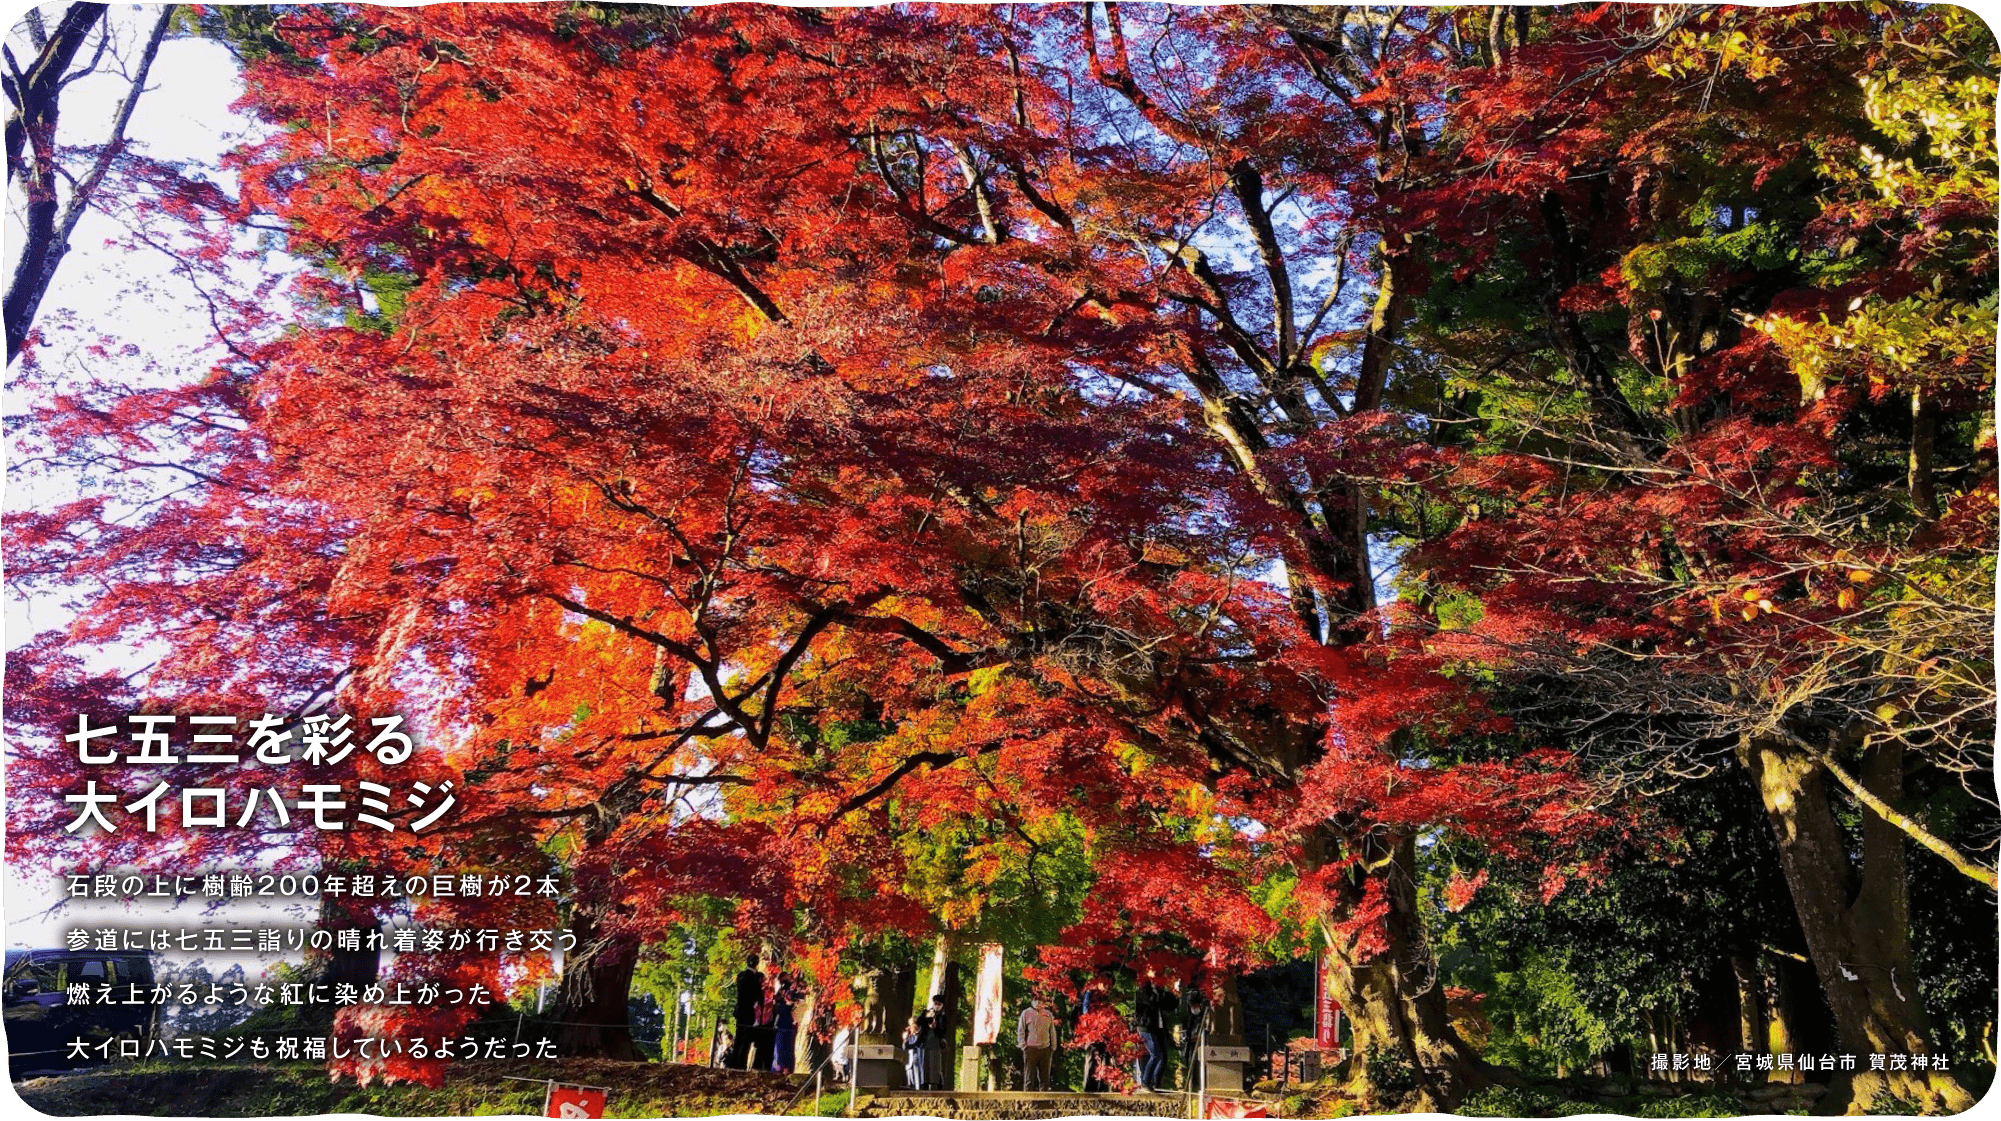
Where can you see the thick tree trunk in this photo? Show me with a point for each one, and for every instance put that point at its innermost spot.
(1745, 973)
(592, 1020)
(31, 130)
(900, 997)
(1924, 439)
(1858, 937)
(1393, 997)
(804, 1055)
(359, 967)
(1780, 1036)
(591, 1013)
(957, 1029)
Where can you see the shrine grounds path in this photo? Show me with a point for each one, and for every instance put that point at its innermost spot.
(496, 1088)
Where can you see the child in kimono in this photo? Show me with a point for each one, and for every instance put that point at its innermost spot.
(913, 1054)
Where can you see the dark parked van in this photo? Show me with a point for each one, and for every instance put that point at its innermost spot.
(34, 1000)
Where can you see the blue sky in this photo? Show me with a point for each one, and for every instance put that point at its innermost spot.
(104, 291)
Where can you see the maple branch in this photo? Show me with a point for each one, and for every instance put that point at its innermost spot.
(1121, 79)
(1020, 90)
(814, 625)
(1339, 282)
(1042, 203)
(621, 497)
(1069, 310)
(883, 785)
(183, 266)
(565, 813)
(679, 649)
(716, 260)
(701, 728)
(1196, 264)
(662, 582)
(904, 205)
(953, 662)
(1910, 827)
(976, 182)
(1311, 43)
(1249, 188)
(701, 780)
(1012, 817)
(1567, 329)
(127, 462)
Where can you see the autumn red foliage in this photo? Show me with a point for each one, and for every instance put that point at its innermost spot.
(738, 434)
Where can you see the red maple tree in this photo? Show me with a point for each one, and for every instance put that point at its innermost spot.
(685, 386)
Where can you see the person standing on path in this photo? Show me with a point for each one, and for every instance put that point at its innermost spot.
(843, 1050)
(1194, 1027)
(1035, 1034)
(934, 1021)
(1147, 1021)
(749, 990)
(785, 1027)
(913, 1053)
(765, 1032)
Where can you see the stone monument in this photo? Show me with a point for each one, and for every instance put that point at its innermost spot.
(877, 1061)
(1226, 1059)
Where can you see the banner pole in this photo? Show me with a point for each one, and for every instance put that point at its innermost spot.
(854, 1067)
(1202, 1069)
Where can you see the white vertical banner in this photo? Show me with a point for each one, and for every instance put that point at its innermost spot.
(987, 996)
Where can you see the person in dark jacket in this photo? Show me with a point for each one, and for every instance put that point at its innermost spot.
(764, 1030)
(932, 1020)
(785, 1038)
(1146, 1009)
(749, 991)
(1194, 1025)
(1163, 1032)
(1150, 1021)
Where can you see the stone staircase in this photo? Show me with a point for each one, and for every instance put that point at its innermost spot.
(1016, 1105)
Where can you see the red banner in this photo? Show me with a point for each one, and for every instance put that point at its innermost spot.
(1233, 1107)
(1326, 1013)
(574, 1101)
